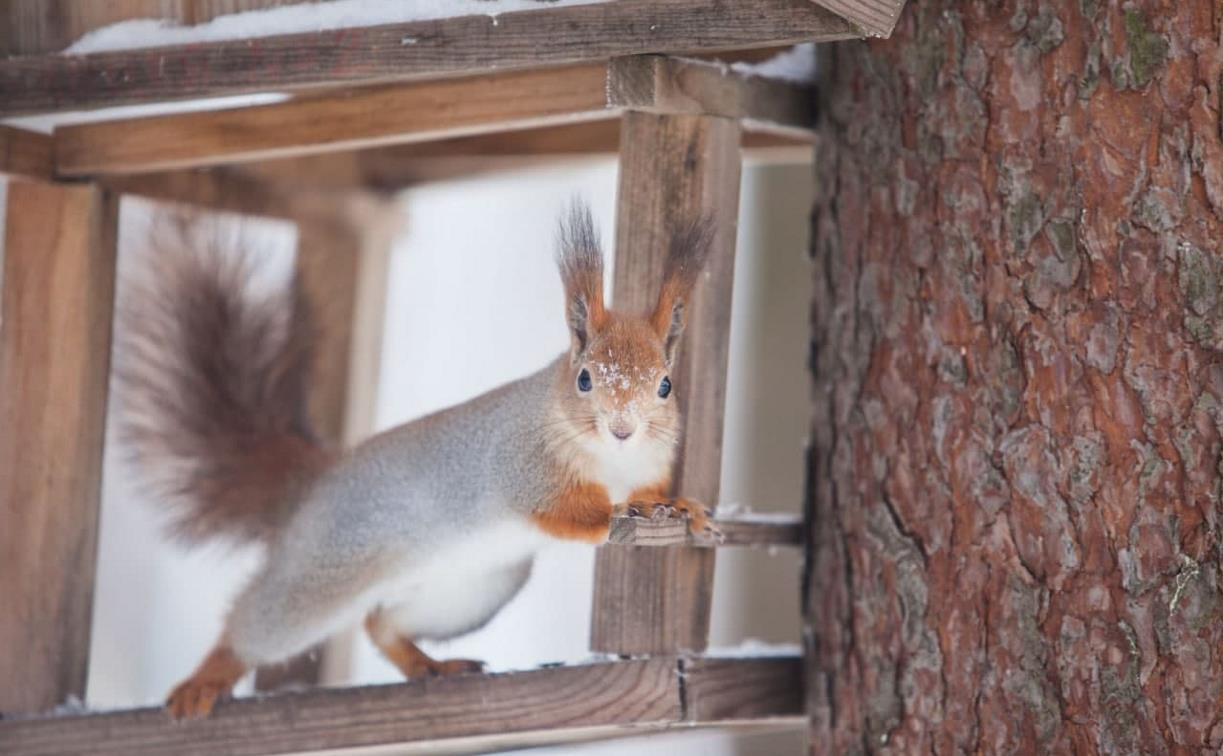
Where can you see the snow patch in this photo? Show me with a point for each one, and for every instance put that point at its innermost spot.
(755, 648)
(798, 64)
(296, 19)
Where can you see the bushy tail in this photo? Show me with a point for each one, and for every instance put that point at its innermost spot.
(212, 388)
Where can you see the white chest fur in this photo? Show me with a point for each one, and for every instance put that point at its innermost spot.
(624, 469)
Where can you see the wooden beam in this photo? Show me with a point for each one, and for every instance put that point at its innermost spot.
(643, 531)
(55, 334)
(25, 154)
(233, 191)
(876, 18)
(365, 118)
(404, 51)
(487, 712)
(565, 98)
(673, 168)
(386, 169)
(660, 84)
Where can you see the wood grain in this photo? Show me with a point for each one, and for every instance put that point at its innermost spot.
(25, 153)
(364, 118)
(876, 18)
(386, 169)
(662, 84)
(628, 694)
(642, 531)
(673, 168)
(476, 713)
(55, 335)
(727, 690)
(416, 50)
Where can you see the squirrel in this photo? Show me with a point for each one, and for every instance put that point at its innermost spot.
(426, 530)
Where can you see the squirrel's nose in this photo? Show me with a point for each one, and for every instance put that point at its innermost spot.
(622, 429)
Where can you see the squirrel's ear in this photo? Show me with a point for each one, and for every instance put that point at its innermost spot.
(581, 264)
(690, 247)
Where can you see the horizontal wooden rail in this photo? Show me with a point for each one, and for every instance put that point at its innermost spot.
(744, 531)
(408, 51)
(478, 712)
(431, 111)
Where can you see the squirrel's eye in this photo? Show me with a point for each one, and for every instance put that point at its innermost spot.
(664, 388)
(584, 383)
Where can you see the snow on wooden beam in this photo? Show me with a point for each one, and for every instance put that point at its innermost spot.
(744, 531)
(876, 18)
(430, 111)
(482, 712)
(412, 50)
(25, 153)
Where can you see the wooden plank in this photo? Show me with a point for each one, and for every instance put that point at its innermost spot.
(387, 169)
(876, 18)
(233, 191)
(673, 168)
(55, 333)
(475, 713)
(626, 694)
(25, 153)
(661, 84)
(728, 690)
(415, 50)
(379, 115)
(38, 26)
(643, 531)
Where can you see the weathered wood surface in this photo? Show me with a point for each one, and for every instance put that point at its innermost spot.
(26, 154)
(1018, 324)
(644, 531)
(436, 111)
(662, 84)
(876, 18)
(517, 709)
(363, 118)
(48, 26)
(55, 335)
(416, 50)
(673, 168)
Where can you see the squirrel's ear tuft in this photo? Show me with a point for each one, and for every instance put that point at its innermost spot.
(690, 246)
(581, 264)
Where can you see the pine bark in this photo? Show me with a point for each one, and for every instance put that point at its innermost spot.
(1015, 465)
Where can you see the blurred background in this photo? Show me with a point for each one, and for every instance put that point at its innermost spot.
(474, 301)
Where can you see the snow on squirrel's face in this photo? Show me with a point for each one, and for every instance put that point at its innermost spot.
(619, 391)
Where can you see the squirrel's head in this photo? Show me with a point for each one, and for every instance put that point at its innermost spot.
(618, 388)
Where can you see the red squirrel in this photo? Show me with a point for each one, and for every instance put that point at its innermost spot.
(425, 530)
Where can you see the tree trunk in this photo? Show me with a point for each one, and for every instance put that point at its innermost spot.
(1015, 465)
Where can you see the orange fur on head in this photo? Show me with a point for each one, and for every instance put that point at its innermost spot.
(689, 249)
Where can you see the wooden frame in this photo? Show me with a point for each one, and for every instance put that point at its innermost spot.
(405, 51)
(460, 86)
(425, 111)
(487, 712)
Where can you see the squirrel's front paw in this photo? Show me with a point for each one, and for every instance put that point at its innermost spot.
(194, 699)
(700, 522)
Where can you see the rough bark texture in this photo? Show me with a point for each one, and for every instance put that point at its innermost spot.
(1015, 465)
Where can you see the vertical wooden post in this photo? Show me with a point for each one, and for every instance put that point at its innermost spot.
(56, 312)
(672, 168)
